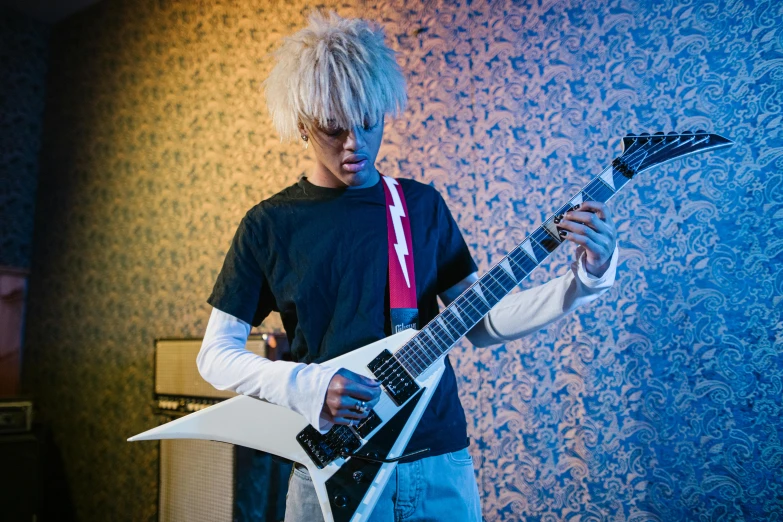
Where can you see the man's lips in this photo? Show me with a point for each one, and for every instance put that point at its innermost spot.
(354, 158)
(355, 163)
(354, 166)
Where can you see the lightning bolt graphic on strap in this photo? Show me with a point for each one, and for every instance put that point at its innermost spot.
(397, 212)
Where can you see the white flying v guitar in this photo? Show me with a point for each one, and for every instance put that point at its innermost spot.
(350, 465)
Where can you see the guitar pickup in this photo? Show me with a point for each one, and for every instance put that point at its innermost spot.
(323, 449)
(390, 373)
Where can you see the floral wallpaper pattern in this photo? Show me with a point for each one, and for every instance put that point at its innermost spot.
(660, 401)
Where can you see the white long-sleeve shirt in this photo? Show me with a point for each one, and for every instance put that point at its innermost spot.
(224, 362)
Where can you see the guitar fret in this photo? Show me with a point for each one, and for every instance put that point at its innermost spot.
(420, 344)
(459, 305)
(424, 354)
(518, 269)
(482, 300)
(520, 262)
(426, 342)
(598, 190)
(505, 264)
(444, 328)
(603, 193)
(417, 355)
(504, 278)
(494, 275)
(548, 241)
(550, 227)
(485, 286)
(397, 377)
(541, 253)
(429, 331)
(403, 359)
(449, 312)
(445, 338)
(447, 334)
(619, 179)
(465, 306)
(416, 358)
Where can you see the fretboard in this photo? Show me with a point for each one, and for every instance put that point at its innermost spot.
(444, 331)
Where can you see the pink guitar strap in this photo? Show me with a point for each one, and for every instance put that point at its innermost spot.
(402, 279)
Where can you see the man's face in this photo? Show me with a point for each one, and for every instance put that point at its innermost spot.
(346, 157)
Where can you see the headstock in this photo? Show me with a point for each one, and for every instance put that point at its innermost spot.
(644, 151)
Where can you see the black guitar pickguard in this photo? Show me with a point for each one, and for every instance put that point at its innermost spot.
(347, 487)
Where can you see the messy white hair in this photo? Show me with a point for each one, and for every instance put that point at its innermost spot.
(335, 72)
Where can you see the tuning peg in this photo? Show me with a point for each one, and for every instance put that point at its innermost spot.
(672, 133)
(687, 133)
(701, 131)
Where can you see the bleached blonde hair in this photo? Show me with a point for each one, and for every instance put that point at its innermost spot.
(335, 72)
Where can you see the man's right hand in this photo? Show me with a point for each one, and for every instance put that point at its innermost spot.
(345, 395)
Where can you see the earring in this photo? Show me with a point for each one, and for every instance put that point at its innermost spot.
(307, 142)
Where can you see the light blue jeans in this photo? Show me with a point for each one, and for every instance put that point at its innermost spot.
(430, 489)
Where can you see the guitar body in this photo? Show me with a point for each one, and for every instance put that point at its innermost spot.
(255, 423)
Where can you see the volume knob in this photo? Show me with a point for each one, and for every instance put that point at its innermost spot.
(341, 501)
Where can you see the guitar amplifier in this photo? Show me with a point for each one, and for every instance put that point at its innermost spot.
(202, 480)
(179, 387)
(16, 416)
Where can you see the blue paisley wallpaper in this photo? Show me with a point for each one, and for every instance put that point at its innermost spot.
(23, 56)
(660, 401)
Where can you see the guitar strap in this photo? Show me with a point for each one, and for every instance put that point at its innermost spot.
(402, 279)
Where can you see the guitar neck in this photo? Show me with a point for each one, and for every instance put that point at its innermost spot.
(456, 320)
(447, 328)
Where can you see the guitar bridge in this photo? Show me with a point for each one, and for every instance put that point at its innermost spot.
(338, 442)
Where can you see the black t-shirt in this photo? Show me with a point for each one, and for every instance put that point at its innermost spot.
(319, 257)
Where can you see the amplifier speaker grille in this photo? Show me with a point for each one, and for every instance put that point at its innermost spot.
(196, 481)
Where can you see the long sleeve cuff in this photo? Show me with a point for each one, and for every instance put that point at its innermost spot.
(603, 282)
(522, 313)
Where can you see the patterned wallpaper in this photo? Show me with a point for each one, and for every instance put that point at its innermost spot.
(661, 401)
(23, 56)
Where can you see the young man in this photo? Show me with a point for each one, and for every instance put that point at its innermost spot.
(317, 253)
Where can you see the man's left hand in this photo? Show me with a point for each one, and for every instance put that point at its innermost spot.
(591, 226)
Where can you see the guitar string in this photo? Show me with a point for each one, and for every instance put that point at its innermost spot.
(406, 360)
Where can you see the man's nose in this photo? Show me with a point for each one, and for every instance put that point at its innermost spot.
(355, 139)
